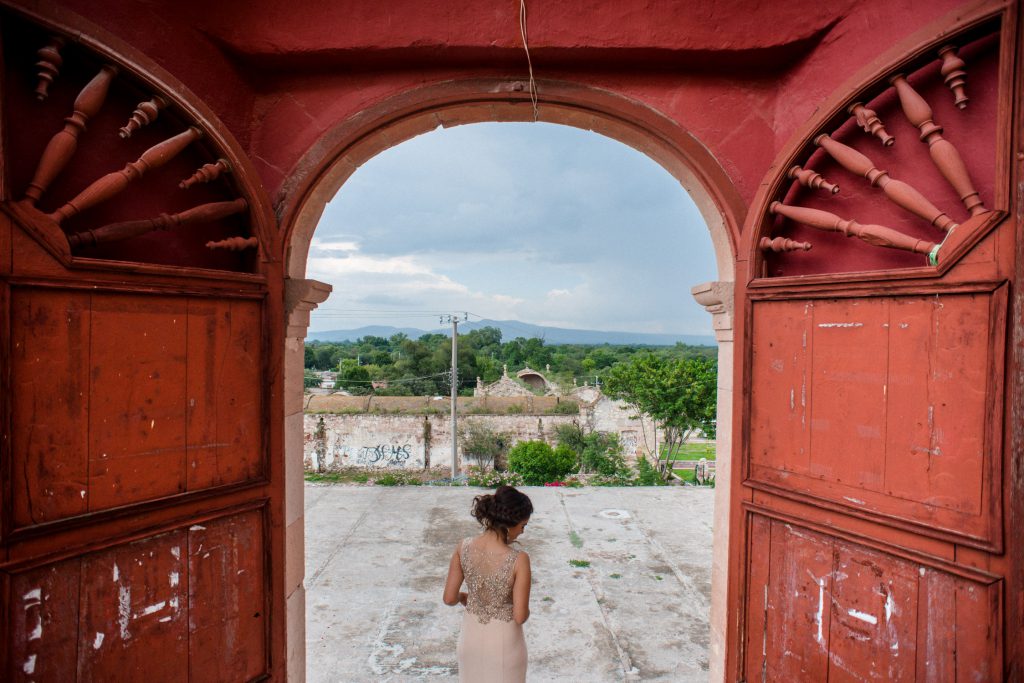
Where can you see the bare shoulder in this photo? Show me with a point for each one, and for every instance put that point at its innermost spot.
(523, 559)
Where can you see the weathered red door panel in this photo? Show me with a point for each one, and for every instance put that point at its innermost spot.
(136, 399)
(227, 605)
(134, 612)
(94, 432)
(779, 438)
(900, 392)
(166, 607)
(224, 405)
(838, 610)
(50, 357)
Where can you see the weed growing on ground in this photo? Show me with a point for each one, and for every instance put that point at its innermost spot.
(580, 564)
(397, 479)
(575, 539)
(616, 576)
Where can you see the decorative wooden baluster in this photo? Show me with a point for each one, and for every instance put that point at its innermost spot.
(49, 65)
(942, 152)
(869, 121)
(145, 113)
(117, 232)
(62, 146)
(206, 174)
(778, 244)
(897, 191)
(877, 235)
(953, 75)
(234, 243)
(811, 179)
(112, 183)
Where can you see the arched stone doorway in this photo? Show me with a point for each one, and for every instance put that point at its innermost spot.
(350, 144)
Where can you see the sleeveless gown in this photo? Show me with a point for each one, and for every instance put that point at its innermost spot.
(491, 646)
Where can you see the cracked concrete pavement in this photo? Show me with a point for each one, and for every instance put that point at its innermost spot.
(376, 559)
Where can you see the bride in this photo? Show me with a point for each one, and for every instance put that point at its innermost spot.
(491, 646)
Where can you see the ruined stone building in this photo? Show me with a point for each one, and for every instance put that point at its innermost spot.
(858, 165)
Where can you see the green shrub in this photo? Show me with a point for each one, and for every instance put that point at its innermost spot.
(564, 408)
(538, 463)
(597, 452)
(647, 474)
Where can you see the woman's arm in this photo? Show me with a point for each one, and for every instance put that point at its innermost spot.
(454, 582)
(521, 589)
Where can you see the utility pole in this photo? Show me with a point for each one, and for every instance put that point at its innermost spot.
(454, 320)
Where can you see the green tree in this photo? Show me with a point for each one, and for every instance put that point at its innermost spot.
(678, 394)
(353, 377)
(484, 445)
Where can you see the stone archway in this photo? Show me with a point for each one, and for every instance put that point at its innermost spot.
(324, 169)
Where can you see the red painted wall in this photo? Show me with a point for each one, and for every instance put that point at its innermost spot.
(739, 76)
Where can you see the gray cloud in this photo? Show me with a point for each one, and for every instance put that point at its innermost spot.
(500, 215)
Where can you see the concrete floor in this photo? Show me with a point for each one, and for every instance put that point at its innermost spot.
(376, 560)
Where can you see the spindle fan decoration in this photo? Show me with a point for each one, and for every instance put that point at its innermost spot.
(109, 164)
(867, 165)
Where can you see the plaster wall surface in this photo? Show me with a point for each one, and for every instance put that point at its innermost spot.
(735, 74)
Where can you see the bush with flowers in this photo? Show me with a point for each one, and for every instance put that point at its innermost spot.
(488, 478)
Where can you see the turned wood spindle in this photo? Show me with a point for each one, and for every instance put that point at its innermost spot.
(953, 75)
(876, 235)
(943, 153)
(49, 65)
(778, 244)
(62, 146)
(811, 179)
(897, 191)
(117, 232)
(145, 113)
(112, 183)
(234, 243)
(206, 174)
(869, 121)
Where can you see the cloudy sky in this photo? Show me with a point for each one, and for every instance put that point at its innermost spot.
(535, 222)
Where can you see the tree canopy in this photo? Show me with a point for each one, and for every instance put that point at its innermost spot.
(419, 367)
(679, 394)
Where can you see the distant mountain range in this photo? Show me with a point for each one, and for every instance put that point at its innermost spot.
(510, 329)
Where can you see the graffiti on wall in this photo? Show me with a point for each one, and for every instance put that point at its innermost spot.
(383, 455)
(629, 443)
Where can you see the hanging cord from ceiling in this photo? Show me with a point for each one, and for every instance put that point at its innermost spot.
(529, 62)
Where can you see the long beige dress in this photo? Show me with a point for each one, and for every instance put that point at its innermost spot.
(491, 646)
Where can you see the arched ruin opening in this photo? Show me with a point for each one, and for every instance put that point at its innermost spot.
(352, 143)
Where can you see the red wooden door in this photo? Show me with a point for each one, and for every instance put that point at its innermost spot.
(878, 385)
(140, 509)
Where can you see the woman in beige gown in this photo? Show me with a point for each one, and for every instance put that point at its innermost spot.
(497, 598)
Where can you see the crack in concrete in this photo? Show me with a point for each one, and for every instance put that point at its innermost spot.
(315, 577)
(629, 672)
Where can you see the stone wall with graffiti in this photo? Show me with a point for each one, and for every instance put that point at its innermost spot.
(411, 441)
(406, 441)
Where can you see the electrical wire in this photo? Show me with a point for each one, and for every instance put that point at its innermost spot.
(529, 62)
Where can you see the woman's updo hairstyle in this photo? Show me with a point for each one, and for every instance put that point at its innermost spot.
(502, 510)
